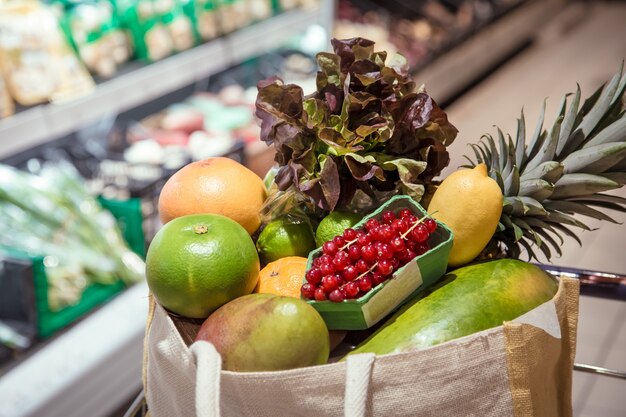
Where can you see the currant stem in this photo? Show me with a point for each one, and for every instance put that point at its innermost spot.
(427, 216)
(367, 272)
(347, 245)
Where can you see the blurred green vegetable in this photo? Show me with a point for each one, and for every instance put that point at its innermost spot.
(52, 215)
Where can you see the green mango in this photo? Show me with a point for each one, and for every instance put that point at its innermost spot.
(466, 300)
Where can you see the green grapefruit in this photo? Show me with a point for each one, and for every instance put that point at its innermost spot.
(197, 263)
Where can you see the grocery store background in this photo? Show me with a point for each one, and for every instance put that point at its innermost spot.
(127, 94)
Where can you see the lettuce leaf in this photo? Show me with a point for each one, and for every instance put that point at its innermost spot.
(366, 127)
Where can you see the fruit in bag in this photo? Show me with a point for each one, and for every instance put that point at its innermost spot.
(266, 332)
(470, 299)
(214, 185)
(469, 202)
(197, 263)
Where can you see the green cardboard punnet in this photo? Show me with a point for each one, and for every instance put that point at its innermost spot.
(414, 277)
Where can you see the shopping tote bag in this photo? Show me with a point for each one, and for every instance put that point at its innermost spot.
(522, 368)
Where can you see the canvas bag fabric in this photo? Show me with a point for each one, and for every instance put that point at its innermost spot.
(522, 368)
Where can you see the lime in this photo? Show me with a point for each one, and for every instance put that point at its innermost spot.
(197, 263)
(284, 237)
(334, 224)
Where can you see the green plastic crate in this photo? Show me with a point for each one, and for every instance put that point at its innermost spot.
(129, 219)
(408, 281)
(33, 288)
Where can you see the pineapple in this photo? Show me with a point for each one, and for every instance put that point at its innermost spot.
(560, 172)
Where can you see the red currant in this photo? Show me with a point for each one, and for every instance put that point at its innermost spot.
(377, 278)
(404, 213)
(354, 252)
(385, 251)
(339, 241)
(371, 224)
(386, 233)
(397, 244)
(375, 233)
(327, 269)
(422, 248)
(329, 248)
(395, 262)
(351, 289)
(365, 283)
(314, 275)
(399, 226)
(363, 238)
(337, 296)
(420, 233)
(369, 253)
(307, 291)
(388, 216)
(411, 219)
(430, 224)
(385, 267)
(329, 282)
(320, 294)
(325, 259)
(339, 279)
(350, 273)
(362, 266)
(341, 260)
(349, 234)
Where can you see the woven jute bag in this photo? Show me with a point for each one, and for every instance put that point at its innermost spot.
(522, 368)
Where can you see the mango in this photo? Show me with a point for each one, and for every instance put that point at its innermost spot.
(267, 332)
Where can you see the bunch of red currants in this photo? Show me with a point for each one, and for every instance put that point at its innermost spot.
(356, 261)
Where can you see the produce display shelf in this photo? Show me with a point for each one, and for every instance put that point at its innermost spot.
(449, 73)
(140, 83)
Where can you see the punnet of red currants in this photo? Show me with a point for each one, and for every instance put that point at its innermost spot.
(351, 264)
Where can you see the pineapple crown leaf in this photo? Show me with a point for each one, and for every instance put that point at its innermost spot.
(560, 173)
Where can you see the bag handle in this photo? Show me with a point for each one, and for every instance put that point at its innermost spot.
(358, 376)
(209, 366)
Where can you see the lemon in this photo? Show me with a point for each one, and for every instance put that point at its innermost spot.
(334, 224)
(197, 263)
(469, 202)
(284, 237)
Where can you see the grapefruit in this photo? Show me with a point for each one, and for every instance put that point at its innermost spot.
(197, 263)
(217, 186)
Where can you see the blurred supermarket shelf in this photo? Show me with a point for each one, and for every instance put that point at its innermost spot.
(88, 370)
(142, 83)
(452, 72)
